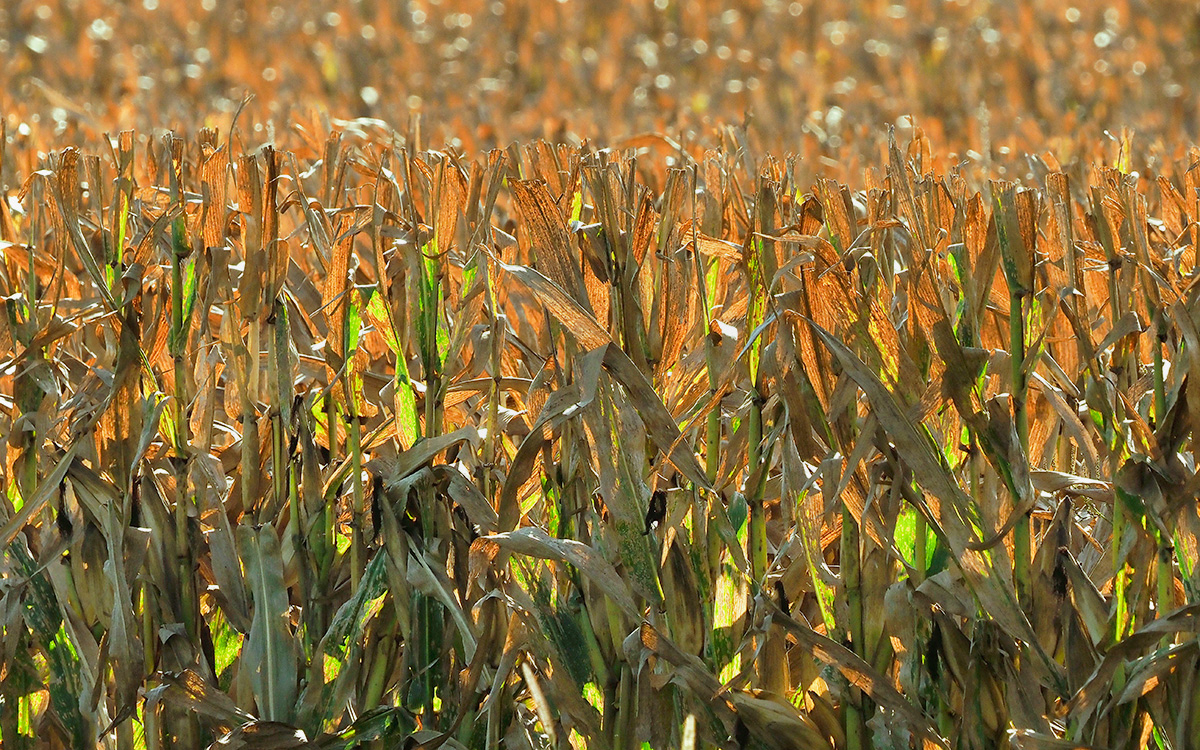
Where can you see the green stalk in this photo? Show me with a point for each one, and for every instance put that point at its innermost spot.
(1160, 389)
(712, 464)
(758, 253)
(313, 613)
(299, 549)
(358, 545)
(250, 420)
(1166, 578)
(179, 244)
(1120, 620)
(608, 721)
(758, 515)
(1021, 531)
(1018, 273)
(381, 667)
(707, 541)
(492, 443)
(15, 708)
(851, 574)
(765, 668)
(150, 727)
(433, 385)
(426, 652)
(1166, 569)
(1135, 209)
(327, 523)
(850, 552)
(124, 419)
(1120, 580)
(279, 467)
(595, 652)
(331, 424)
(707, 526)
(427, 336)
(1193, 709)
(184, 724)
(626, 708)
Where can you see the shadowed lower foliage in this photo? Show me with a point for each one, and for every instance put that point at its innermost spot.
(340, 443)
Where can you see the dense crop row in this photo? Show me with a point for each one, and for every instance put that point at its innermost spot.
(556, 445)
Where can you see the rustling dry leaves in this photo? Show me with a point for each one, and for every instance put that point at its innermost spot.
(646, 374)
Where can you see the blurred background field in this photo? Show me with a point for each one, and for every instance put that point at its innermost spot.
(986, 80)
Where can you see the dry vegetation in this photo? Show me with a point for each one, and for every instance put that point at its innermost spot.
(319, 437)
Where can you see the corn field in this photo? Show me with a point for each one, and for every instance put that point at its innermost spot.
(360, 445)
(619, 376)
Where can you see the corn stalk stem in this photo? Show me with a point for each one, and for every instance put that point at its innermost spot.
(758, 516)
(712, 465)
(250, 442)
(182, 499)
(851, 574)
(381, 667)
(492, 444)
(1021, 531)
(626, 711)
(711, 541)
(1166, 569)
(358, 544)
(1121, 621)
(184, 725)
(326, 527)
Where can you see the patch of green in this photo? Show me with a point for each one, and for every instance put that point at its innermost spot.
(906, 538)
(592, 694)
(227, 646)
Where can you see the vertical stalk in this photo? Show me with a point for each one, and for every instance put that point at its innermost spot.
(186, 724)
(851, 574)
(1166, 569)
(712, 464)
(759, 262)
(327, 525)
(1160, 390)
(179, 245)
(492, 444)
(1112, 437)
(381, 666)
(15, 708)
(1018, 272)
(281, 413)
(250, 441)
(358, 545)
(433, 377)
(704, 516)
(1021, 531)
(610, 716)
(850, 548)
(623, 732)
(1119, 580)
(300, 551)
(758, 516)
(115, 239)
(150, 727)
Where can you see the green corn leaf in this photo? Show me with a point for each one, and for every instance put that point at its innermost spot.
(269, 653)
